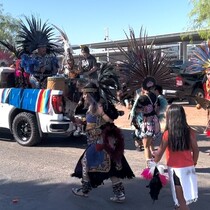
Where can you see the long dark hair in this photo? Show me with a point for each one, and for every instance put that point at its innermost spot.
(93, 96)
(91, 102)
(178, 129)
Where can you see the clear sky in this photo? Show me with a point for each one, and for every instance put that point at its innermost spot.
(86, 21)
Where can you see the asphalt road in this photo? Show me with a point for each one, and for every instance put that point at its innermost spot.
(38, 178)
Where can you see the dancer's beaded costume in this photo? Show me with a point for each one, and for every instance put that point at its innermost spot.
(100, 161)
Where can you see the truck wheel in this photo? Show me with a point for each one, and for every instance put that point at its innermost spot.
(25, 129)
(197, 92)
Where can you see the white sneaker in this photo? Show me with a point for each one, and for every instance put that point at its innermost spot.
(118, 198)
(76, 133)
(78, 192)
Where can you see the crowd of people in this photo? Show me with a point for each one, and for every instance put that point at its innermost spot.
(104, 157)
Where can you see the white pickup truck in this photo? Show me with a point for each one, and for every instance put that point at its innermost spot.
(30, 114)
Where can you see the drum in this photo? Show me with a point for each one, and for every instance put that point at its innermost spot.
(56, 83)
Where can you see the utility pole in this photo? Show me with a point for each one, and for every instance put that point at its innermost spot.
(107, 39)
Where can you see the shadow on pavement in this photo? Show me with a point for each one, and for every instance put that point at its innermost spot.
(5, 135)
(81, 142)
(39, 195)
(71, 141)
(203, 170)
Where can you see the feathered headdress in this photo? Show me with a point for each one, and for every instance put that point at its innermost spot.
(105, 89)
(17, 52)
(147, 66)
(64, 40)
(108, 82)
(200, 58)
(35, 34)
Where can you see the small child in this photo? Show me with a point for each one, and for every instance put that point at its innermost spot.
(180, 145)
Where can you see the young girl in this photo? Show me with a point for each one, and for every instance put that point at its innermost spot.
(180, 144)
(149, 127)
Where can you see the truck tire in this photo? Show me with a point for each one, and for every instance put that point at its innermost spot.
(25, 129)
(197, 92)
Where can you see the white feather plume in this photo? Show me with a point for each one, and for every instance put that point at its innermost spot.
(66, 43)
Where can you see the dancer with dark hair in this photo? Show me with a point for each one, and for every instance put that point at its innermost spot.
(146, 67)
(41, 61)
(148, 105)
(103, 158)
(180, 146)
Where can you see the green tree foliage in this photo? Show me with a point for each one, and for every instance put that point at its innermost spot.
(8, 26)
(200, 17)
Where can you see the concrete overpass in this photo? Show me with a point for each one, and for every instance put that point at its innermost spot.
(108, 48)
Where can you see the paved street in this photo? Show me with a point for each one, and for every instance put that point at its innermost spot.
(38, 178)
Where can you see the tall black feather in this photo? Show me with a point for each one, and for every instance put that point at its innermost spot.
(143, 60)
(108, 82)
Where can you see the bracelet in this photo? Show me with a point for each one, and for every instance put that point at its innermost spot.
(102, 114)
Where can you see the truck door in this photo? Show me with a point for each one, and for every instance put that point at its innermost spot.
(5, 110)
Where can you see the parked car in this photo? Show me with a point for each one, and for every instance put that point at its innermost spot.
(176, 66)
(31, 114)
(190, 85)
(186, 85)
